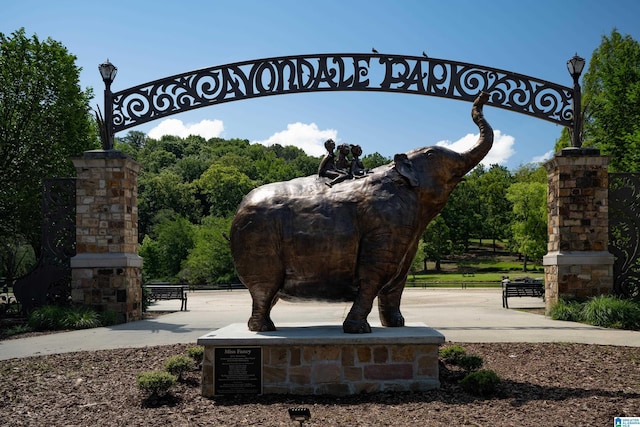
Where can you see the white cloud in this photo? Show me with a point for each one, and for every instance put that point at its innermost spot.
(500, 153)
(206, 129)
(546, 156)
(304, 136)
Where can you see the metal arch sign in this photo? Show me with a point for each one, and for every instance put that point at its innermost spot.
(374, 72)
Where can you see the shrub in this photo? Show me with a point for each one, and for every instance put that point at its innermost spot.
(81, 318)
(605, 310)
(481, 383)
(109, 318)
(146, 298)
(17, 329)
(156, 383)
(48, 318)
(569, 311)
(55, 317)
(196, 353)
(611, 312)
(452, 354)
(177, 365)
(470, 362)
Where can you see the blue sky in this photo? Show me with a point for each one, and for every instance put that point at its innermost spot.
(149, 40)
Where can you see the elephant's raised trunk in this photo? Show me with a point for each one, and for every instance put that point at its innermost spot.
(476, 153)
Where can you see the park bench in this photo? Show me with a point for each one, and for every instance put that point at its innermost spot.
(521, 288)
(168, 292)
(466, 271)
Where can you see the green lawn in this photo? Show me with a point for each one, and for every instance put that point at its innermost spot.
(454, 280)
(486, 274)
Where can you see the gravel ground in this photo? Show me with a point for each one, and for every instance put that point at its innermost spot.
(542, 385)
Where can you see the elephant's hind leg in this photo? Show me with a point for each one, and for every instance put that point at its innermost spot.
(264, 297)
(389, 306)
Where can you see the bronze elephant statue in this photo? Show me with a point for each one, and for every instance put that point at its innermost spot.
(354, 241)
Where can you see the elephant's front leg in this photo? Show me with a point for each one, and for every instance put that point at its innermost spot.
(389, 305)
(356, 321)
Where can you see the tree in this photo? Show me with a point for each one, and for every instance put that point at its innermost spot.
(564, 140)
(477, 210)
(274, 169)
(437, 243)
(492, 187)
(161, 193)
(191, 167)
(611, 99)
(374, 160)
(45, 120)
(530, 219)
(165, 254)
(16, 258)
(210, 259)
(531, 172)
(130, 144)
(462, 216)
(156, 159)
(419, 262)
(223, 188)
(149, 250)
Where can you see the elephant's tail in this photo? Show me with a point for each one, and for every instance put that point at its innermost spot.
(226, 236)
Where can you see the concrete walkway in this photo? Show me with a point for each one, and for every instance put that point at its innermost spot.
(461, 315)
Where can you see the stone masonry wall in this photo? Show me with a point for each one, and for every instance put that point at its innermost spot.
(107, 205)
(340, 369)
(578, 201)
(117, 289)
(106, 271)
(578, 263)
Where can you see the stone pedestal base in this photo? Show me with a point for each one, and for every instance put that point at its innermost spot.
(108, 282)
(314, 359)
(577, 274)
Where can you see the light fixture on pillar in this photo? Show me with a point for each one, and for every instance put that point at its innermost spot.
(108, 72)
(575, 66)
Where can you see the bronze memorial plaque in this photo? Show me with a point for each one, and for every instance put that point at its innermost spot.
(238, 370)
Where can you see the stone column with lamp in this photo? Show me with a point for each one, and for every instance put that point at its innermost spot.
(107, 270)
(578, 263)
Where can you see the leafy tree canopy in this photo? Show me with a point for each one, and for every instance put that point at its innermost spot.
(611, 102)
(45, 120)
(530, 218)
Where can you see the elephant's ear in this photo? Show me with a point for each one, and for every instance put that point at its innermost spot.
(405, 168)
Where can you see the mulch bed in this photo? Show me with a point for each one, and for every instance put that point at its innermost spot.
(547, 384)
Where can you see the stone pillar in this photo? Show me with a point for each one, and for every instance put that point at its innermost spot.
(578, 263)
(107, 270)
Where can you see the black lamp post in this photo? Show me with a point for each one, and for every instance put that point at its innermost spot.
(575, 66)
(108, 72)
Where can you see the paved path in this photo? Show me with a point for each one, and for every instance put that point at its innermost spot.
(461, 315)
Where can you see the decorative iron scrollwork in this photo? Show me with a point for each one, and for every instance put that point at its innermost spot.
(59, 221)
(340, 72)
(624, 232)
(50, 280)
